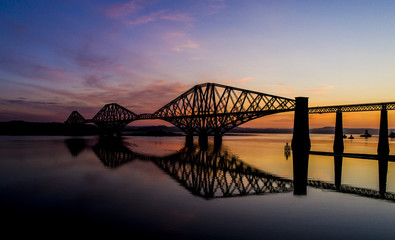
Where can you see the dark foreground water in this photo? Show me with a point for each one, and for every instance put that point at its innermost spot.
(156, 187)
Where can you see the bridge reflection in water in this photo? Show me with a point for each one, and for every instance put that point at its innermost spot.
(210, 173)
(214, 173)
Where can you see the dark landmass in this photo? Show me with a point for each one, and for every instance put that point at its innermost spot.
(60, 129)
(160, 130)
(261, 130)
(355, 131)
(19, 128)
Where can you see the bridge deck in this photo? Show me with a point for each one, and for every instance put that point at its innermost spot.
(353, 108)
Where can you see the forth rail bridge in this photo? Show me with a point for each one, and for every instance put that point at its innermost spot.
(212, 109)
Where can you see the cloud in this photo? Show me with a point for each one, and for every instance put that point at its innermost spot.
(31, 69)
(317, 91)
(181, 17)
(137, 13)
(160, 15)
(55, 104)
(180, 41)
(236, 81)
(215, 6)
(120, 10)
(276, 85)
(87, 57)
(94, 81)
(287, 90)
(25, 101)
(320, 91)
(188, 45)
(146, 19)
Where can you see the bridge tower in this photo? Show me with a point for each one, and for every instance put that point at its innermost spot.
(212, 109)
(112, 118)
(301, 145)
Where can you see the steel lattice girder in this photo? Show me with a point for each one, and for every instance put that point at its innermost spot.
(209, 174)
(352, 190)
(113, 153)
(114, 117)
(217, 108)
(216, 174)
(75, 118)
(353, 108)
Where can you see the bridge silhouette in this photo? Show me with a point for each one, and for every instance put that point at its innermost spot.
(208, 109)
(212, 109)
(214, 173)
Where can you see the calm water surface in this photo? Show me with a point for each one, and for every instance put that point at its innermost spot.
(156, 187)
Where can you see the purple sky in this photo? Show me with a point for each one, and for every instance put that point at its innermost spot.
(60, 56)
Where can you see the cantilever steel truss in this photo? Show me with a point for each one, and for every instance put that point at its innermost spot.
(208, 174)
(113, 117)
(75, 118)
(216, 173)
(206, 108)
(215, 109)
(212, 109)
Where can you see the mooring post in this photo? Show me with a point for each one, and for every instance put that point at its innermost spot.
(338, 145)
(383, 146)
(301, 145)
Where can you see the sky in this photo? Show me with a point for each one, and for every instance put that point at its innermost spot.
(60, 56)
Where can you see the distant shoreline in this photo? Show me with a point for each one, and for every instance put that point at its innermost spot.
(20, 128)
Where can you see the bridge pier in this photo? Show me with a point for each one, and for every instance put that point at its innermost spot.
(301, 137)
(301, 146)
(338, 170)
(217, 139)
(203, 140)
(383, 146)
(189, 139)
(383, 170)
(338, 145)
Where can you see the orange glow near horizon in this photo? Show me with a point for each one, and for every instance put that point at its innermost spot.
(285, 120)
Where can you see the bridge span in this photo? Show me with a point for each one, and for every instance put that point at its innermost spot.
(212, 109)
(205, 109)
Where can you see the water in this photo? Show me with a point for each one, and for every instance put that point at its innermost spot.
(155, 187)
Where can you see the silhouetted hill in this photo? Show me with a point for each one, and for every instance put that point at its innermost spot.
(355, 131)
(15, 128)
(61, 129)
(160, 130)
(261, 130)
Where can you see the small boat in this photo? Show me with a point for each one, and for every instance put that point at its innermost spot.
(391, 135)
(351, 137)
(366, 134)
(287, 148)
(344, 136)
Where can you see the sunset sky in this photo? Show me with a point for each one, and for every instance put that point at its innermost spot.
(59, 56)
